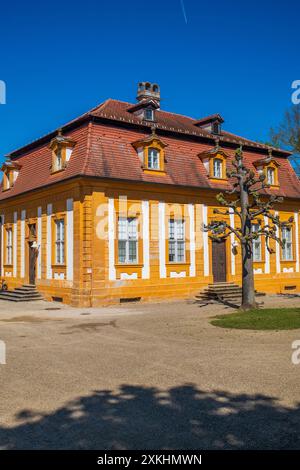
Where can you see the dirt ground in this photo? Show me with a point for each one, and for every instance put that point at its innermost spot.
(145, 376)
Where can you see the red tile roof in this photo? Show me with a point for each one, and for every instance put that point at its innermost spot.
(104, 138)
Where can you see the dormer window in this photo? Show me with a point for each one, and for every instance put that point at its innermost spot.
(61, 152)
(268, 166)
(211, 123)
(58, 159)
(151, 153)
(216, 127)
(217, 168)
(271, 176)
(10, 174)
(153, 158)
(214, 162)
(149, 114)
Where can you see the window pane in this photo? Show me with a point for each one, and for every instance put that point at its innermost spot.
(132, 251)
(122, 231)
(217, 168)
(132, 228)
(180, 252)
(180, 230)
(122, 251)
(153, 158)
(270, 175)
(171, 251)
(171, 229)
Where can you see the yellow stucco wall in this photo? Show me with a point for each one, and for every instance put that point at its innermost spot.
(91, 285)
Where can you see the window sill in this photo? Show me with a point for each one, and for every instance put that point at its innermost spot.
(218, 180)
(58, 266)
(128, 265)
(8, 265)
(287, 261)
(55, 172)
(156, 172)
(177, 263)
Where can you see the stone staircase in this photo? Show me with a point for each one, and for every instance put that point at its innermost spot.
(225, 292)
(26, 293)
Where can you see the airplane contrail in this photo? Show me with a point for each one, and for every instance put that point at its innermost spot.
(183, 10)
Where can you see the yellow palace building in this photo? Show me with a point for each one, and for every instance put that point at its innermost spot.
(110, 207)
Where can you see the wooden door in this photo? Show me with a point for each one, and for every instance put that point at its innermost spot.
(219, 261)
(32, 264)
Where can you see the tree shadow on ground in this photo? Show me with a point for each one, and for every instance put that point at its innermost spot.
(139, 417)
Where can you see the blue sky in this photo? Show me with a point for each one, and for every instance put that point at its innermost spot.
(60, 59)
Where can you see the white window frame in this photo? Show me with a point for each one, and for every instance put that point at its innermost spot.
(149, 110)
(256, 242)
(151, 165)
(176, 239)
(271, 171)
(287, 250)
(127, 236)
(60, 242)
(59, 159)
(220, 162)
(9, 246)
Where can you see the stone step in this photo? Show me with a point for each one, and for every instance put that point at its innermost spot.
(25, 290)
(217, 284)
(221, 291)
(25, 293)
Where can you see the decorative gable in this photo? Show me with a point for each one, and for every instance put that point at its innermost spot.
(151, 153)
(62, 148)
(211, 123)
(10, 174)
(269, 167)
(214, 162)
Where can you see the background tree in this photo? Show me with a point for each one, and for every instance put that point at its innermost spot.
(250, 203)
(287, 135)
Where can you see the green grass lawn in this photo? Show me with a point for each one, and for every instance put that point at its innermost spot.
(261, 319)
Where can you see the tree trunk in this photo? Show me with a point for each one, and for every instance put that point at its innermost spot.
(248, 293)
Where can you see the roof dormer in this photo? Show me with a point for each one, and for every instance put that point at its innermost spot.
(269, 167)
(62, 148)
(148, 98)
(211, 123)
(151, 153)
(214, 162)
(10, 174)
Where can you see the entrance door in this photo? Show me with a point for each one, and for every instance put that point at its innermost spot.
(32, 263)
(219, 261)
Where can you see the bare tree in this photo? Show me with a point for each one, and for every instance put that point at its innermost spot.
(250, 203)
(287, 135)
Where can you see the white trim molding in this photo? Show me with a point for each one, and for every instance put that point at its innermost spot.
(23, 217)
(232, 241)
(162, 239)
(49, 242)
(70, 240)
(205, 242)
(297, 240)
(267, 254)
(111, 240)
(277, 249)
(15, 244)
(39, 243)
(2, 245)
(146, 241)
(191, 210)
